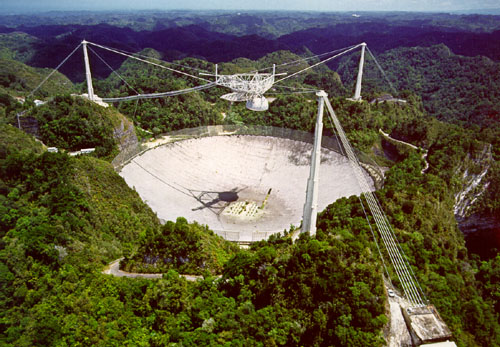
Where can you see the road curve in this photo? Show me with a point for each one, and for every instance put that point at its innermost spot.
(424, 154)
(113, 268)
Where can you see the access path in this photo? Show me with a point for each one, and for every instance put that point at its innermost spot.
(424, 154)
(114, 269)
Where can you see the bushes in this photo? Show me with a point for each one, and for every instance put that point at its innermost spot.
(73, 123)
(188, 248)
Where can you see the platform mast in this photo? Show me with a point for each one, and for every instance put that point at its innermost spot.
(357, 91)
(310, 213)
(90, 88)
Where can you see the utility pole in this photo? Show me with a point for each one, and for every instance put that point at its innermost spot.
(357, 92)
(310, 213)
(90, 88)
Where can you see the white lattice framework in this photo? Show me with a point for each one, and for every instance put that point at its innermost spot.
(246, 86)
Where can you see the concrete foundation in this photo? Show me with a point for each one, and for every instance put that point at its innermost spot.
(425, 325)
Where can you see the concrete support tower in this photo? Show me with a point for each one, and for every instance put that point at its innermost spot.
(87, 71)
(310, 213)
(357, 92)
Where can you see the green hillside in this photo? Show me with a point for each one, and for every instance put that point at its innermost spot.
(19, 79)
(453, 87)
(17, 46)
(13, 140)
(62, 219)
(187, 248)
(73, 123)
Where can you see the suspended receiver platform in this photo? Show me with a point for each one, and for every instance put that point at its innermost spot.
(249, 87)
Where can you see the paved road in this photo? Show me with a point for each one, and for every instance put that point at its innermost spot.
(114, 269)
(424, 155)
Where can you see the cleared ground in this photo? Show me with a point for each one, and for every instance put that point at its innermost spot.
(223, 181)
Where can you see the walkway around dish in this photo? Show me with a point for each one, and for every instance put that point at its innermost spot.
(114, 269)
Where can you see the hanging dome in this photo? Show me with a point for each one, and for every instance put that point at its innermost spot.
(258, 103)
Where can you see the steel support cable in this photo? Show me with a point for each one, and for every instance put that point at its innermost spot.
(57, 68)
(112, 70)
(321, 62)
(290, 93)
(308, 58)
(148, 62)
(298, 88)
(342, 151)
(159, 60)
(405, 256)
(382, 71)
(160, 95)
(399, 262)
(384, 232)
(404, 275)
(396, 258)
(375, 239)
(390, 245)
(392, 251)
(365, 188)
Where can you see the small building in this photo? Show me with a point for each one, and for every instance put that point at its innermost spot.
(387, 98)
(441, 344)
(82, 151)
(87, 150)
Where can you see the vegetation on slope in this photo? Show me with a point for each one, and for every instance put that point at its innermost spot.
(262, 23)
(73, 123)
(13, 140)
(187, 248)
(453, 88)
(19, 79)
(17, 46)
(54, 236)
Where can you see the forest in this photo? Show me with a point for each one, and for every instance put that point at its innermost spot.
(64, 218)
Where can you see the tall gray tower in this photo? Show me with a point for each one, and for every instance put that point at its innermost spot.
(87, 71)
(310, 213)
(357, 91)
